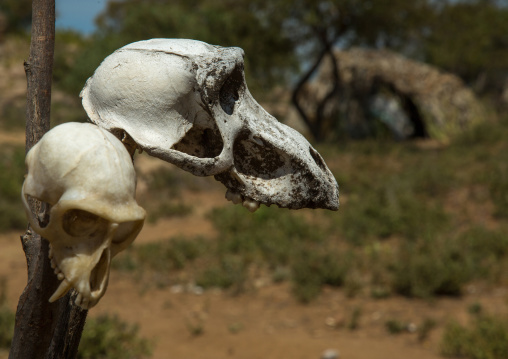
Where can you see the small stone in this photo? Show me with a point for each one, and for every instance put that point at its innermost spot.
(330, 354)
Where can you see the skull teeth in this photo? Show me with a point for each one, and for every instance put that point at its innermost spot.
(234, 197)
(82, 301)
(64, 287)
(249, 203)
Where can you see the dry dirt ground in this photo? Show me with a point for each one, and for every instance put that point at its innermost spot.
(267, 322)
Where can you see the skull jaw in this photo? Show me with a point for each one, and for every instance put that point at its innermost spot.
(293, 192)
(82, 265)
(87, 274)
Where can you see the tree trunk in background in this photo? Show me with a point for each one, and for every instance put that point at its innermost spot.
(315, 123)
(42, 329)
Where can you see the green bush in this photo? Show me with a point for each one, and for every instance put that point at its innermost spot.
(7, 317)
(12, 115)
(167, 210)
(487, 250)
(270, 235)
(162, 256)
(12, 170)
(390, 208)
(311, 268)
(229, 272)
(6, 326)
(442, 265)
(485, 338)
(497, 179)
(107, 337)
(431, 266)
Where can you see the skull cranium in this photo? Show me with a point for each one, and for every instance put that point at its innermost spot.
(86, 175)
(187, 103)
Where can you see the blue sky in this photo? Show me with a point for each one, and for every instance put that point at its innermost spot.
(78, 15)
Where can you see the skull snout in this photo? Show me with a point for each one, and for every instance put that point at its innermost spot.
(274, 164)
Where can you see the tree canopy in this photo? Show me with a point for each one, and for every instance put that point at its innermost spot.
(15, 15)
(285, 41)
(469, 38)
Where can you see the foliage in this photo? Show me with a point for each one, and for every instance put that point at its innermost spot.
(228, 272)
(483, 48)
(270, 234)
(485, 338)
(225, 23)
(276, 238)
(73, 68)
(394, 326)
(168, 209)
(17, 15)
(6, 326)
(311, 268)
(12, 170)
(7, 317)
(432, 267)
(109, 337)
(162, 256)
(163, 198)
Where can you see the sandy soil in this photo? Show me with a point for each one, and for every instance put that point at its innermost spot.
(266, 322)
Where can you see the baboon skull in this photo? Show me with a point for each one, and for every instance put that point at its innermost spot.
(86, 176)
(187, 102)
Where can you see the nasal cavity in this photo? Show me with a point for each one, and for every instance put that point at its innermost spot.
(229, 92)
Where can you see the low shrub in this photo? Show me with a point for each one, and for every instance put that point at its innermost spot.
(163, 256)
(431, 266)
(271, 235)
(485, 338)
(228, 272)
(12, 171)
(311, 268)
(7, 318)
(107, 337)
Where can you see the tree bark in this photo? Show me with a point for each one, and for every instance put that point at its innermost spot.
(295, 98)
(42, 329)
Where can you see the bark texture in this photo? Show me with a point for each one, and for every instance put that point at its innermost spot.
(42, 329)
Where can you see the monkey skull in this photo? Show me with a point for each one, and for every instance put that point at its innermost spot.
(187, 102)
(86, 176)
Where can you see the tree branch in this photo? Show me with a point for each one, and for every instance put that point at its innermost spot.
(295, 98)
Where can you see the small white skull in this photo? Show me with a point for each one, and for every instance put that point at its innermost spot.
(86, 175)
(187, 103)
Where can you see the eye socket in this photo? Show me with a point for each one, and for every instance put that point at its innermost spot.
(229, 92)
(78, 223)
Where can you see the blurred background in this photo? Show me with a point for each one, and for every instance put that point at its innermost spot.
(406, 101)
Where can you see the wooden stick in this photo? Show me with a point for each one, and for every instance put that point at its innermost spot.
(42, 329)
